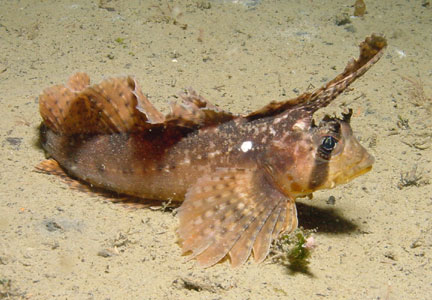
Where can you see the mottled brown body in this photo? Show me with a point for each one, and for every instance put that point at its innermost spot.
(237, 175)
(120, 161)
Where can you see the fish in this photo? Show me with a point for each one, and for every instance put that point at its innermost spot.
(236, 177)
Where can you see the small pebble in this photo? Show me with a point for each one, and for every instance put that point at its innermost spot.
(105, 253)
(331, 200)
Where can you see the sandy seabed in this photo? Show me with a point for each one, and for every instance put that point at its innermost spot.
(373, 243)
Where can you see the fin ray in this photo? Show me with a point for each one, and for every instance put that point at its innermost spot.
(224, 214)
(262, 242)
(104, 108)
(242, 249)
(371, 50)
(118, 105)
(194, 110)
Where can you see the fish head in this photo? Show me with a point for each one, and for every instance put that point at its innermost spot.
(312, 157)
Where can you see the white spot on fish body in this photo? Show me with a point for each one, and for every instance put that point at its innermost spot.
(221, 206)
(277, 120)
(243, 196)
(214, 154)
(246, 146)
(300, 125)
(186, 161)
(198, 221)
(263, 129)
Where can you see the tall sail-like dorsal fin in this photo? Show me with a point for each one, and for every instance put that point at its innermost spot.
(371, 50)
(118, 104)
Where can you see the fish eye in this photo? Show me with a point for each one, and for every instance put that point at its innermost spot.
(328, 144)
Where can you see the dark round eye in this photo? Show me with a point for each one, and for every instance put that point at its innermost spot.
(327, 146)
(328, 143)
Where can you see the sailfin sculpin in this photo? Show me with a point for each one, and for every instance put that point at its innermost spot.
(237, 177)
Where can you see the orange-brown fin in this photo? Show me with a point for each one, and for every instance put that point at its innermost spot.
(118, 105)
(371, 50)
(108, 107)
(63, 111)
(224, 214)
(144, 106)
(195, 111)
(261, 246)
(242, 249)
(54, 105)
(115, 101)
(283, 219)
(51, 167)
(78, 81)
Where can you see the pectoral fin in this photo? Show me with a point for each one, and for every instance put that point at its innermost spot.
(232, 211)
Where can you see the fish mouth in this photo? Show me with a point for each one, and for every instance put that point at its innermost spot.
(359, 173)
(358, 169)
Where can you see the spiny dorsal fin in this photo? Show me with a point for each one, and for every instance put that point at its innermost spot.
(231, 212)
(371, 50)
(78, 81)
(55, 103)
(194, 110)
(114, 103)
(118, 105)
(144, 105)
(111, 106)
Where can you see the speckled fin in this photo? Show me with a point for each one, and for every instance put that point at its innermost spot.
(231, 212)
(194, 110)
(371, 50)
(114, 105)
(118, 105)
(283, 219)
